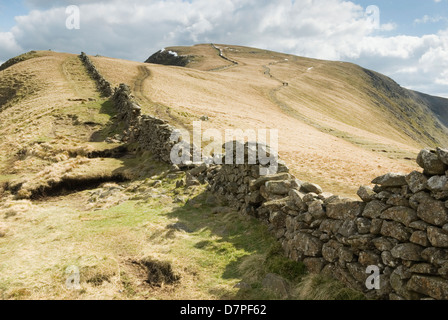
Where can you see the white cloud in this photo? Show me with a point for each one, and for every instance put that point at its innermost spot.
(326, 29)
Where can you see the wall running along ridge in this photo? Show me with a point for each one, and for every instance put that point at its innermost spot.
(103, 86)
(400, 225)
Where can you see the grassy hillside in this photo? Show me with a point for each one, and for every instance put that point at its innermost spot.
(117, 217)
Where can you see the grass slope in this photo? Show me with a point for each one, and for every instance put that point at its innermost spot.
(139, 239)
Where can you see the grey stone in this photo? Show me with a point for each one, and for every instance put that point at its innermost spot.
(297, 197)
(330, 226)
(431, 286)
(366, 193)
(345, 254)
(423, 268)
(438, 237)
(416, 181)
(255, 197)
(384, 195)
(361, 242)
(363, 225)
(398, 200)
(276, 204)
(438, 183)
(430, 162)
(443, 155)
(403, 215)
(385, 244)
(376, 226)
(191, 180)
(419, 225)
(408, 251)
(278, 187)
(330, 250)
(256, 184)
(374, 209)
(391, 180)
(198, 170)
(311, 187)
(435, 256)
(348, 228)
(418, 198)
(403, 272)
(278, 219)
(357, 271)
(276, 283)
(309, 245)
(179, 227)
(433, 212)
(310, 197)
(314, 265)
(369, 258)
(345, 209)
(388, 259)
(420, 238)
(399, 285)
(316, 209)
(395, 230)
(243, 286)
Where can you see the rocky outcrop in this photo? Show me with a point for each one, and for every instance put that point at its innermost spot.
(168, 58)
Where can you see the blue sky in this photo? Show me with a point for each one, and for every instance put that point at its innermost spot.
(404, 13)
(411, 45)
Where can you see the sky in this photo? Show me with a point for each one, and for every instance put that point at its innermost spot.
(406, 40)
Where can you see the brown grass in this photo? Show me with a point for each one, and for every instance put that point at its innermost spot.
(312, 139)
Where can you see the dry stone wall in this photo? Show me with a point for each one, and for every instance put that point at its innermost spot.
(103, 85)
(399, 227)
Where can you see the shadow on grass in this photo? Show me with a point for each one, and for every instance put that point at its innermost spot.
(114, 126)
(247, 248)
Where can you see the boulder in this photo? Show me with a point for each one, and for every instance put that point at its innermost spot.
(408, 251)
(404, 215)
(430, 162)
(434, 287)
(433, 212)
(443, 155)
(277, 284)
(345, 209)
(384, 244)
(278, 187)
(395, 230)
(309, 245)
(416, 181)
(374, 209)
(438, 183)
(391, 180)
(435, 256)
(316, 209)
(363, 225)
(420, 238)
(438, 237)
(314, 265)
(256, 184)
(366, 193)
(330, 250)
(311, 187)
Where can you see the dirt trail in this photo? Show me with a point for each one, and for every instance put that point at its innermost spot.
(290, 111)
(78, 79)
(221, 54)
(138, 89)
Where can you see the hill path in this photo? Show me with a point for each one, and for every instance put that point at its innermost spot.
(138, 89)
